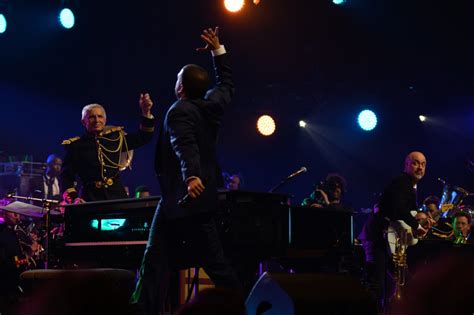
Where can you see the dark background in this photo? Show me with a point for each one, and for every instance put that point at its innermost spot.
(295, 60)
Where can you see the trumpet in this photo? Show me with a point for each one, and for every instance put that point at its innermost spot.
(399, 258)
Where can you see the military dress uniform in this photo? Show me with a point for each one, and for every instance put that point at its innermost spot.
(95, 159)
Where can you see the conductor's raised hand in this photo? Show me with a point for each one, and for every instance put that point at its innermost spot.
(211, 39)
(146, 104)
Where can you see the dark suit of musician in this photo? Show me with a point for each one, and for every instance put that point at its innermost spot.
(186, 150)
(396, 202)
(398, 199)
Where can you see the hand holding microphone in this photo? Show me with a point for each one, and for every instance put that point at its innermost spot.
(195, 188)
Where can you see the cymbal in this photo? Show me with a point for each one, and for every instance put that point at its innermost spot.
(27, 209)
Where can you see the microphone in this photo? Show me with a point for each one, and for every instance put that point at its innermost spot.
(183, 201)
(298, 172)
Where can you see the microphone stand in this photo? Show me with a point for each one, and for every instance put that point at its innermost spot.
(287, 179)
(283, 182)
(47, 206)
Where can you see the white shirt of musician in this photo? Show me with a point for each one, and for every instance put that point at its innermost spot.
(56, 191)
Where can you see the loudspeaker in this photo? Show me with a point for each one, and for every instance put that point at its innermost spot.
(301, 294)
(77, 292)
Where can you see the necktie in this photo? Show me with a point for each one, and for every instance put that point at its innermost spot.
(416, 196)
(50, 182)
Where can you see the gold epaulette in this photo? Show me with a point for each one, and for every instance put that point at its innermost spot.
(110, 129)
(70, 140)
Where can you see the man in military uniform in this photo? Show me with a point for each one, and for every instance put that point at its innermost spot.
(98, 156)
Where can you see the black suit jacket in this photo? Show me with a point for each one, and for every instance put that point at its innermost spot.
(396, 202)
(187, 146)
(398, 199)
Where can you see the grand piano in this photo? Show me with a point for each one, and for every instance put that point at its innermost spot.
(111, 233)
(253, 226)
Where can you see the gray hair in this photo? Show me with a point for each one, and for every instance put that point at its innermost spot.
(89, 107)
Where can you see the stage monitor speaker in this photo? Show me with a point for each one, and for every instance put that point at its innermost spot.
(301, 294)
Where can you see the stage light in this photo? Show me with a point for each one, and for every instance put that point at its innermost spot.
(338, 2)
(266, 125)
(302, 123)
(66, 18)
(422, 118)
(3, 24)
(367, 120)
(234, 5)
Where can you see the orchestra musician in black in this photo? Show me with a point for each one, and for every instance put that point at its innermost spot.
(47, 186)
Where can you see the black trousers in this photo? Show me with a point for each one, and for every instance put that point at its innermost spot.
(178, 244)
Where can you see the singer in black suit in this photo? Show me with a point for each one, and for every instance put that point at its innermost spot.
(188, 172)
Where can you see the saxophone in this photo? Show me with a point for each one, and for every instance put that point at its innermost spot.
(399, 258)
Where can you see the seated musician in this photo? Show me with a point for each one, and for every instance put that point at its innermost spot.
(231, 181)
(424, 220)
(431, 205)
(9, 269)
(327, 193)
(47, 186)
(142, 191)
(462, 228)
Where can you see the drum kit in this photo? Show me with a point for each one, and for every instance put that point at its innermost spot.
(36, 227)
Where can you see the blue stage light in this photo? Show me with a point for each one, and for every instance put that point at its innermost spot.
(338, 2)
(3, 24)
(66, 18)
(367, 120)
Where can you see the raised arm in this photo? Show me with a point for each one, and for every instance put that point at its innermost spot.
(147, 124)
(222, 93)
